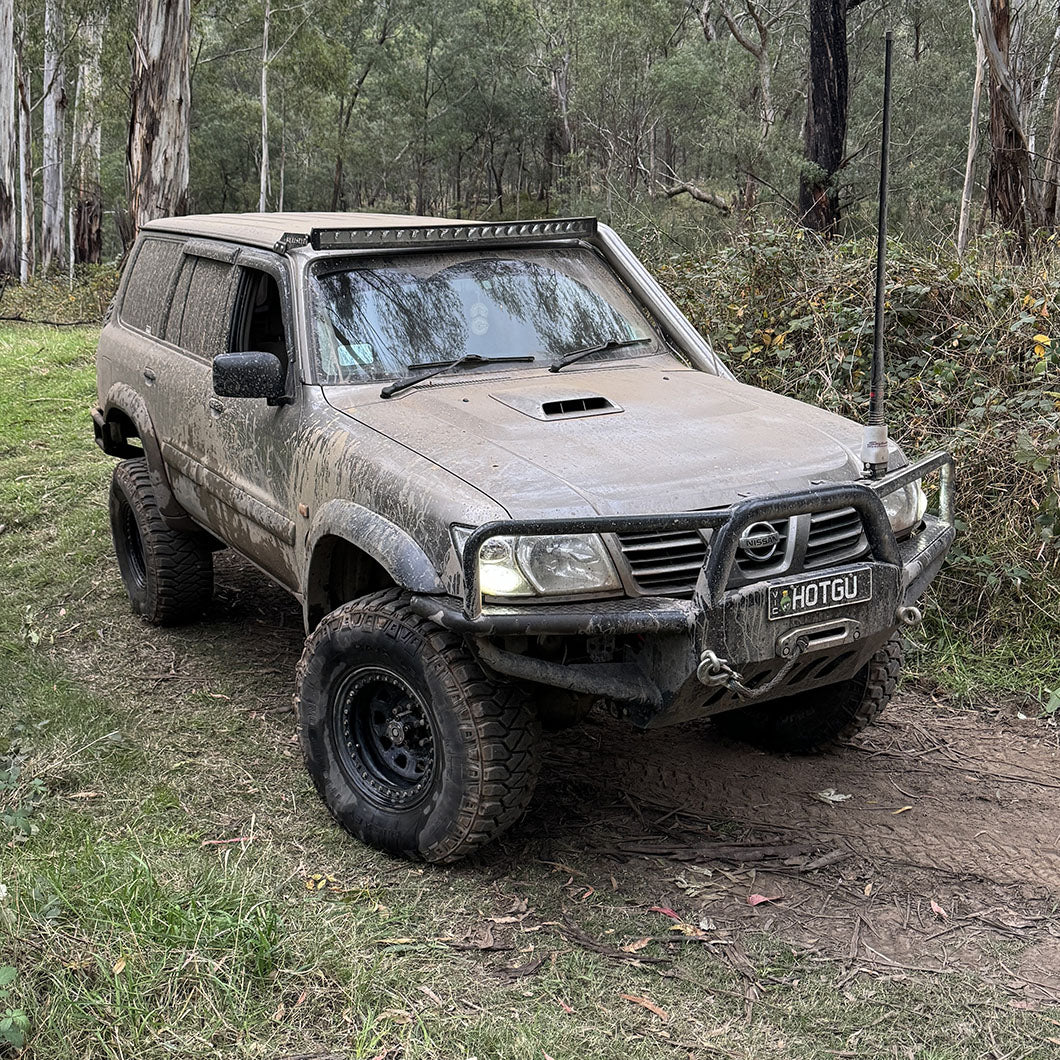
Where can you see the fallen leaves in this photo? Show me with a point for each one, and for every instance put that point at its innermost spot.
(939, 911)
(644, 1002)
(830, 796)
(758, 899)
(665, 911)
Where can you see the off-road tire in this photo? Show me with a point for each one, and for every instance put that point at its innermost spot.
(814, 720)
(478, 735)
(168, 574)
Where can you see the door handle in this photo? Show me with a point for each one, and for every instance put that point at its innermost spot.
(149, 375)
(216, 406)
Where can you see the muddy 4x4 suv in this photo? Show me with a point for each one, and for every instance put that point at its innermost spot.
(506, 479)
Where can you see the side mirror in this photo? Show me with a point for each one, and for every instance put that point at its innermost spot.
(249, 375)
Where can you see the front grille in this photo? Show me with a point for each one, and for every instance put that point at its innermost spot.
(834, 536)
(668, 564)
(665, 564)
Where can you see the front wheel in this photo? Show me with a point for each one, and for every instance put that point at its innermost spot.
(812, 720)
(411, 746)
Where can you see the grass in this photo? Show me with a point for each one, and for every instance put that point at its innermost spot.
(172, 887)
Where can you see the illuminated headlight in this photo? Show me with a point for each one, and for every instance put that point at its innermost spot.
(557, 565)
(905, 507)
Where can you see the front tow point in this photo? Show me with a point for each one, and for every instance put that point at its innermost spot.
(910, 616)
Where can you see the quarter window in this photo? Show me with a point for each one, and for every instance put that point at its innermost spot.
(146, 297)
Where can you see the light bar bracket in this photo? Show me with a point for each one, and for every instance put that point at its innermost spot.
(458, 234)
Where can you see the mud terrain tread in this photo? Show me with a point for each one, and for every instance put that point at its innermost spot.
(179, 566)
(499, 719)
(812, 721)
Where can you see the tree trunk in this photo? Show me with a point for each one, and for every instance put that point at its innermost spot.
(263, 188)
(1011, 189)
(973, 147)
(157, 156)
(88, 219)
(1051, 204)
(8, 140)
(53, 208)
(826, 116)
(27, 223)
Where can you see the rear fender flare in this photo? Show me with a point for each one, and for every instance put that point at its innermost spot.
(122, 398)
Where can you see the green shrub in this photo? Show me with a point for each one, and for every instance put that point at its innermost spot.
(974, 366)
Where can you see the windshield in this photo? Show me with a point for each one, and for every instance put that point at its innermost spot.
(376, 317)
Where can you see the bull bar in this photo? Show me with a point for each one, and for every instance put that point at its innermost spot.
(728, 524)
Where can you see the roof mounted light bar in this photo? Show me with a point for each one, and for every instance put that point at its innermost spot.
(455, 235)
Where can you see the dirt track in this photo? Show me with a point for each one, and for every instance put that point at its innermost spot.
(948, 806)
(952, 807)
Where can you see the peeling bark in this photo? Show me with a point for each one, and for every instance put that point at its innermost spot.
(157, 155)
(1011, 188)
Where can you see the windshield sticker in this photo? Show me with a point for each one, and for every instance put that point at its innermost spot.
(479, 324)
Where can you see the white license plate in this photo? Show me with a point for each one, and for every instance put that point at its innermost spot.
(820, 593)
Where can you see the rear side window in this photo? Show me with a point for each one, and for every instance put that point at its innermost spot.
(207, 308)
(146, 299)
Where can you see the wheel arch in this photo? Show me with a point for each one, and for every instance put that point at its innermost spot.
(353, 551)
(125, 416)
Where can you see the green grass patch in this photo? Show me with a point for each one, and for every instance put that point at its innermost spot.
(171, 886)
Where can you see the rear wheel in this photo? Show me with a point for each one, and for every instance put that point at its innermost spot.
(811, 721)
(411, 746)
(168, 574)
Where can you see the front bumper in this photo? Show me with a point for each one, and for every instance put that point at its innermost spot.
(658, 682)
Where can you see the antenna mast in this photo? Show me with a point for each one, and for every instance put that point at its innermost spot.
(874, 448)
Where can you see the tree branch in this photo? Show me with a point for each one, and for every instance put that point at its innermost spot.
(709, 197)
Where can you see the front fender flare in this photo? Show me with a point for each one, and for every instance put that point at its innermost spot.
(385, 542)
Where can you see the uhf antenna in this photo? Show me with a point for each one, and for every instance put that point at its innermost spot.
(874, 447)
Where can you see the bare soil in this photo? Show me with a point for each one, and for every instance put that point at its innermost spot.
(944, 858)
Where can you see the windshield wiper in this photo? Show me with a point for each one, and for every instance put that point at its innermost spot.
(600, 347)
(437, 367)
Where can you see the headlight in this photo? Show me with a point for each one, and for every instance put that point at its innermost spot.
(556, 565)
(905, 507)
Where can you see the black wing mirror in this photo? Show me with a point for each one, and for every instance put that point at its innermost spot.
(249, 375)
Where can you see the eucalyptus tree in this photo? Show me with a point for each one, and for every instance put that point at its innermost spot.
(8, 140)
(160, 100)
(53, 209)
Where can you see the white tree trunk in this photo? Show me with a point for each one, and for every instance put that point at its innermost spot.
(157, 154)
(27, 223)
(53, 212)
(973, 146)
(8, 140)
(88, 218)
(263, 190)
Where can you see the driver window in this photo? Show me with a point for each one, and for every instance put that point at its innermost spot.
(258, 322)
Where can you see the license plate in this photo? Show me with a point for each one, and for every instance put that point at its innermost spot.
(820, 593)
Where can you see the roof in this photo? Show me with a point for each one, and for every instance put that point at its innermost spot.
(265, 229)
